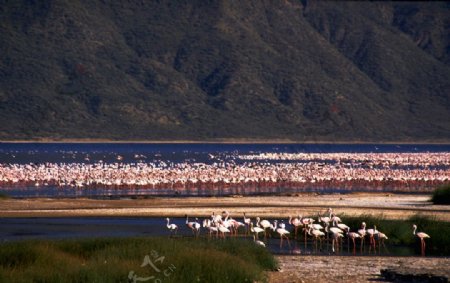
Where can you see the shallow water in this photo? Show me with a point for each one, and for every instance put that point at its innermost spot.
(25, 153)
(16, 229)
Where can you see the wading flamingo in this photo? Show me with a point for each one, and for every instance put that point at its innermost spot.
(265, 224)
(362, 232)
(317, 234)
(255, 230)
(194, 226)
(283, 233)
(421, 236)
(372, 233)
(258, 242)
(172, 227)
(296, 223)
(247, 224)
(353, 236)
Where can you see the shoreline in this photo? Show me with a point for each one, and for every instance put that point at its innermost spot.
(221, 141)
(389, 206)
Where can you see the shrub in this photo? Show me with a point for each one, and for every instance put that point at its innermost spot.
(441, 195)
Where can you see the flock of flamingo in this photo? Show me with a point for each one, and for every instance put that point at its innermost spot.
(326, 228)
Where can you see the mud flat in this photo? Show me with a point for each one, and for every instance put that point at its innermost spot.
(353, 269)
(390, 206)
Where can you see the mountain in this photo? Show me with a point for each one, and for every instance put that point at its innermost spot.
(209, 70)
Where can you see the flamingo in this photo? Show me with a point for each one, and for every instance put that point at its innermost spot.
(255, 230)
(247, 224)
(372, 233)
(211, 229)
(258, 242)
(336, 237)
(282, 232)
(223, 229)
(264, 224)
(316, 226)
(326, 219)
(421, 236)
(194, 226)
(362, 232)
(334, 231)
(353, 236)
(172, 227)
(296, 223)
(317, 234)
(381, 238)
(335, 219)
(235, 226)
(306, 222)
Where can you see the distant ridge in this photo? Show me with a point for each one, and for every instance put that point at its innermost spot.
(220, 70)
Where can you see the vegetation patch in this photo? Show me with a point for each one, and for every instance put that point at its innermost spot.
(400, 232)
(130, 259)
(441, 195)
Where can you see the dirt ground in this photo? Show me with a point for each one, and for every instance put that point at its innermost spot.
(298, 268)
(351, 268)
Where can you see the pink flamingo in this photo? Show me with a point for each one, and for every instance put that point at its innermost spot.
(421, 236)
(296, 223)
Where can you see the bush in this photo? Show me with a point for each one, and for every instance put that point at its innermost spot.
(441, 195)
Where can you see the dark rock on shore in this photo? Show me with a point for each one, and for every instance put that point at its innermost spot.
(414, 275)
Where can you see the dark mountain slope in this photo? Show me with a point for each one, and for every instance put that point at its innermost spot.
(224, 69)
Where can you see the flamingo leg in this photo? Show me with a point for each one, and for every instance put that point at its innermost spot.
(354, 246)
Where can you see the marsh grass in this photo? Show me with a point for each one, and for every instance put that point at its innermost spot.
(400, 232)
(111, 260)
(441, 195)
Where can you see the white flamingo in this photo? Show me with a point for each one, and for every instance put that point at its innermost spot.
(223, 230)
(265, 224)
(172, 227)
(282, 232)
(381, 238)
(194, 226)
(258, 242)
(255, 230)
(212, 229)
(422, 236)
(317, 234)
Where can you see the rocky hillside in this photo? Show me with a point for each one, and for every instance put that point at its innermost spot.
(206, 70)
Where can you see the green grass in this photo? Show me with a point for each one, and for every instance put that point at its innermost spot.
(400, 232)
(111, 260)
(441, 195)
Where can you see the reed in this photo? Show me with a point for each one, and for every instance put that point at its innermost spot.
(400, 232)
(441, 195)
(113, 260)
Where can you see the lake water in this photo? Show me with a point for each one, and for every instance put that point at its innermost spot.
(38, 153)
(16, 229)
